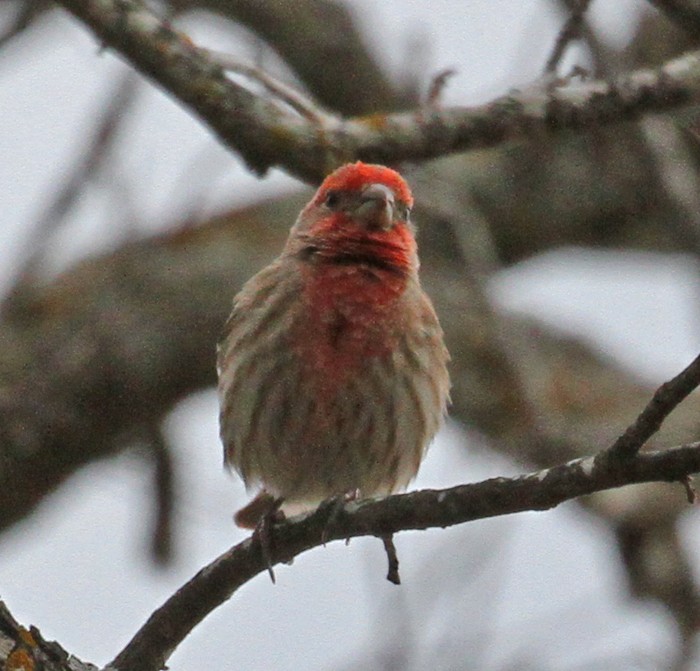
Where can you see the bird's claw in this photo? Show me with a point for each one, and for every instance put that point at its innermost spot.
(337, 504)
(263, 533)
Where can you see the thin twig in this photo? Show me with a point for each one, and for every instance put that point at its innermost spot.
(571, 30)
(164, 495)
(300, 103)
(665, 399)
(437, 86)
(692, 495)
(393, 559)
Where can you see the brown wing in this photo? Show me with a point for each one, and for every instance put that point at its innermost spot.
(252, 356)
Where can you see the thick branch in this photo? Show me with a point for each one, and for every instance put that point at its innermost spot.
(266, 135)
(542, 490)
(27, 650)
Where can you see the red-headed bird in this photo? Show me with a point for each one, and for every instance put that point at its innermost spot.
(333, 372)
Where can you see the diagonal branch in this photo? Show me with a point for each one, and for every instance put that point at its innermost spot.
(266, 135)
(667, 397)
(542, 490)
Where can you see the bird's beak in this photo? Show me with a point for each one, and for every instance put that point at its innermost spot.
(376, 207)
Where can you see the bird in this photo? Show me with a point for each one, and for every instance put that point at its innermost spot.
(332, 367)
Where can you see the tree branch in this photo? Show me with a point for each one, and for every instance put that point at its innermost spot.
(665, 399)
(684, 13)
(338, 45)
(24, 649)
(266, 135)
(542, 490)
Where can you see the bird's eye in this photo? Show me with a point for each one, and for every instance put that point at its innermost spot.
(332, 199)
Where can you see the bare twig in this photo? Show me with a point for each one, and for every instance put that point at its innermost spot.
(164, 490)
(437, 86)
(300, 103)
(571, 30)
(214, 584)
(692, 495)
(665, 399)
(266, 136)
(393, 559)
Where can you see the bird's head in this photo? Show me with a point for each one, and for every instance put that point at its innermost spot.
(360, 211)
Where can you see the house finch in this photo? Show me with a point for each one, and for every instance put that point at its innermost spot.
(332, 372)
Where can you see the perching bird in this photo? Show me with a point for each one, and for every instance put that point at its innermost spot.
(332, 371)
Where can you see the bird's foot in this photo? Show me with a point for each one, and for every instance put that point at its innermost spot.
(336, 504)
(260, 515)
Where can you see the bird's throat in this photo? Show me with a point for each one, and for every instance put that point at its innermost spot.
(394, 252)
